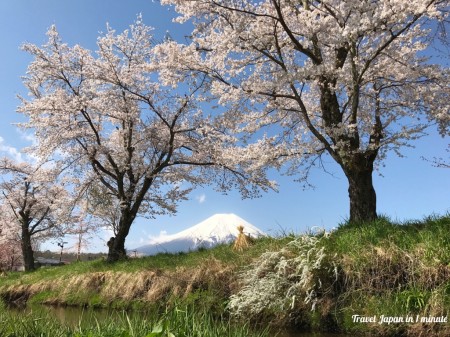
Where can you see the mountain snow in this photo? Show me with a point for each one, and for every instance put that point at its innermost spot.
(219, 228)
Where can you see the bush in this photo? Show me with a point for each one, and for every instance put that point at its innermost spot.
(284, 283)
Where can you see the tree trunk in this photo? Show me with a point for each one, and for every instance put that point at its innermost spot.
(27, 250)
(363, 199)
(116, 245)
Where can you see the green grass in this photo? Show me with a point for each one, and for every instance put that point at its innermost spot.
(393, 269)
(369, 269)
(204, 276)
(185, 322)
(378, 268)
(223, 253)
(428, 240)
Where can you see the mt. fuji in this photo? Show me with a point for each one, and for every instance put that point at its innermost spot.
(217, 229)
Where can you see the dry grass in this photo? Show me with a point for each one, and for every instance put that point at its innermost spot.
(242, 241)
(145, 286)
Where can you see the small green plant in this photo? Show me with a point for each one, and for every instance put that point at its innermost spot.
(413, 300)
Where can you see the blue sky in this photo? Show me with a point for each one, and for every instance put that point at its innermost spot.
(410, 187)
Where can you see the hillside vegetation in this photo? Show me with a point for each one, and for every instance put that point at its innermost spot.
(315, 281)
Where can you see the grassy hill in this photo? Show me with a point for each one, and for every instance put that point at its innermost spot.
(316, 281)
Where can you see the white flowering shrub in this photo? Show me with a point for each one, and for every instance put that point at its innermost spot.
(290, 279)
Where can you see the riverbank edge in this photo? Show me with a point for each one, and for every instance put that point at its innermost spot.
(381, 269)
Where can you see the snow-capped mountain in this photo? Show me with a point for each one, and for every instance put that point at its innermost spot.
(219, 228)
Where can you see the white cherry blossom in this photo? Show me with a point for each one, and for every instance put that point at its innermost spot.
(115, 119)
(346, 78)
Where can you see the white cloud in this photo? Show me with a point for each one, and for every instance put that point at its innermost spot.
(201, 198)
(106, 234)
(29, 137)
(10, 150)
(14, 153)
(157, 238)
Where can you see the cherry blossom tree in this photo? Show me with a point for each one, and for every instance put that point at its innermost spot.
(102, 207)
(35, 204)
(10, 252)
(10, 255)
(440, 162)
(82, 231)
(109, 118)
(345, 78)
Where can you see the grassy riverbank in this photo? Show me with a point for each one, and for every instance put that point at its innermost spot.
(398, 271)
(202, 276)
(319, 281)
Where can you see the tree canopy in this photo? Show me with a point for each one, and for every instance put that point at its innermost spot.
(34, 204)
(352, 79)
(112, 119)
